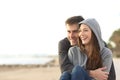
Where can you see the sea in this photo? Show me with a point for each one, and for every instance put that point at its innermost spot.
(24, 59)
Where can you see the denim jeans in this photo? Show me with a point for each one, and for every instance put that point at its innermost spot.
(78, 73)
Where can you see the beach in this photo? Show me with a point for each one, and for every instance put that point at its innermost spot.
(51, 72)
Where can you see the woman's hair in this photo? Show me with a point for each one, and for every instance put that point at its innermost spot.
(94, 59)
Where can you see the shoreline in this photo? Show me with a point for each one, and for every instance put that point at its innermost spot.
(33, 72)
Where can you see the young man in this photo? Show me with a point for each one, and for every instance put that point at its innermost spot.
(71, 40)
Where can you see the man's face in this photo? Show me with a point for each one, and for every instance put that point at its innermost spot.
(72, 33)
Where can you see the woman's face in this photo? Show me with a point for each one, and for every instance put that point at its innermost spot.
(85, 34)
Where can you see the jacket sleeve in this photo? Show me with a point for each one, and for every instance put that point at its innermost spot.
(65, 64)
(107, 59)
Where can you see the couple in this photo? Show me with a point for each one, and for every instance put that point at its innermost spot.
(83, 55)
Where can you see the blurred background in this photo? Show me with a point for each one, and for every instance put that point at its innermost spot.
(31, 29)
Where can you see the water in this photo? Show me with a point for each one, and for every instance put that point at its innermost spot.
(23, 60)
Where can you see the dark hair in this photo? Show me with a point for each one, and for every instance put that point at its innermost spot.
(94, 60)
(74, 20)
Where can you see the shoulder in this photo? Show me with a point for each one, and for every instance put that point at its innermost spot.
(106, 52)
(63, 41)
(74, 49)
(63, 45)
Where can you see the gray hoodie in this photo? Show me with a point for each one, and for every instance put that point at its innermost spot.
(78, 58)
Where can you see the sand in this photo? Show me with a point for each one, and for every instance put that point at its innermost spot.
(39, 73)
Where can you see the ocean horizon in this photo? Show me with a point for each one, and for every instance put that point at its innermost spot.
(25, 59)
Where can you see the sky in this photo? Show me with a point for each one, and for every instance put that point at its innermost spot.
(36, 26)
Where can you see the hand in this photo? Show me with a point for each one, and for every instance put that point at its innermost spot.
(99, 74)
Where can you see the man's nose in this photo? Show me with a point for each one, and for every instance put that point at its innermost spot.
(72, 34)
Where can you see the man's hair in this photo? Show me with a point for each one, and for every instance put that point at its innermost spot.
(74, 20)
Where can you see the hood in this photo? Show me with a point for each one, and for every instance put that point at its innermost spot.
(94, 26)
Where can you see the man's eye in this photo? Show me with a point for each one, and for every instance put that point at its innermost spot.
(79, 31)
(68, 31)
(85, 30)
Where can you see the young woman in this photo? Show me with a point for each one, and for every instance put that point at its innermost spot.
(91, 59)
